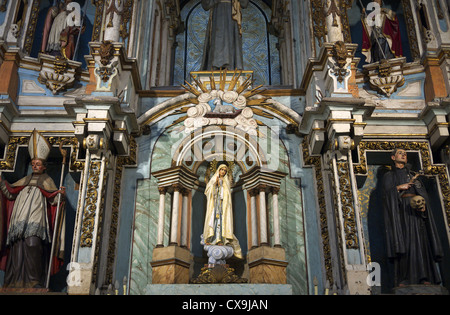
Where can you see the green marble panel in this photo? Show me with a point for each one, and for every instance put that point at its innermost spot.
(145, 232)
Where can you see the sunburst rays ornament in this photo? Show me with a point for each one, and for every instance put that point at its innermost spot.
(222, 98)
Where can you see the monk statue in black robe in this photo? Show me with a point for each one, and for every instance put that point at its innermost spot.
(412, 239)
(223, 42)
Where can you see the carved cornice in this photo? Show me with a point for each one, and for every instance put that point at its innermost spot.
(175, 178)
(262, 179)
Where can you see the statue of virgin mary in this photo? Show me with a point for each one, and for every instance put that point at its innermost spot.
(218, 227)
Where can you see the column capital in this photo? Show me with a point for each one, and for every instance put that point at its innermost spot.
(177, 187)
(162, 190)
(262, 188)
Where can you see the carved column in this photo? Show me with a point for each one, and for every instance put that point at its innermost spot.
(20, 16)
(266, 264)
(162, 200)
(94, 129)
(166, 23)
(280, 25)
(434, 43)
(343, 128)
(184, 218)
(348, 220)
(276, 217)
(175, 214)
(90, 213)
(262, 216)
(333, 20)
(254, 219)
(113, 20)
(171, 264)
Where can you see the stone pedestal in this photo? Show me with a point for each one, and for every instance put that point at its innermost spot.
(267, 265)
(357, 280)
(171, 265)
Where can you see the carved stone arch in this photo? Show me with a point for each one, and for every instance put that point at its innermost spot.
(181, 103)
(206, 133)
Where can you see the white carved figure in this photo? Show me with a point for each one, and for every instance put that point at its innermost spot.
(221, 108)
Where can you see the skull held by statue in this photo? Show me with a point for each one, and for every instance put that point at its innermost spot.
(417, 202)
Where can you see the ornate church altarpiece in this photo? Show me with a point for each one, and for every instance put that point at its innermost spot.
(221, 118)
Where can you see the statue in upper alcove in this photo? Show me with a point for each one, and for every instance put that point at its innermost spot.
(223, 42)
(381, 34)
(61, 29)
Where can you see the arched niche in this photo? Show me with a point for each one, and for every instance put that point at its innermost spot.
(403, 11)
(261, 54)
(168, 152)
(86, 13)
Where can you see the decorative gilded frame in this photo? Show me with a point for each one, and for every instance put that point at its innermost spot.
(319, 25)
(90, 207)
(97, 27)
(423, 147)
(122, 161)
(316, 163)
(8, 163)
(347, 204)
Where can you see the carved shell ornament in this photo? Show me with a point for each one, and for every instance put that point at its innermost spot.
(221, 104)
